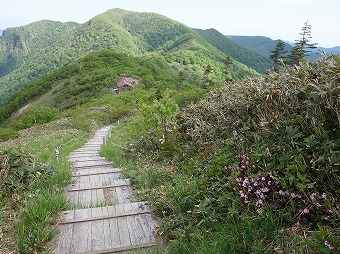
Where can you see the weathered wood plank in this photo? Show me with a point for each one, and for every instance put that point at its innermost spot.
(124, 236)
(123, 194)
(105, 217)
(97, 230)
(81, 241)
(121, 249)
(64, 239)
(114, 230)
(120, 183)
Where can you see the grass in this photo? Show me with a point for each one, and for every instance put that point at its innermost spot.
(36, 209)
(188, 228)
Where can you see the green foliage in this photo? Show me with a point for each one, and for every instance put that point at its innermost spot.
(7, 133)
(279, 53)
(91, 77)
(19, 171)
(302, 46)
(37, 115)
(244, 55)
(157, 118)
(30, 52)
(266, 149)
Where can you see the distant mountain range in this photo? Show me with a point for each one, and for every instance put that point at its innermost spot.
(264, 45)
(29, 52)
(1, 31)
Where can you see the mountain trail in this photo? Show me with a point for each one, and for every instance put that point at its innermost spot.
(103, 220)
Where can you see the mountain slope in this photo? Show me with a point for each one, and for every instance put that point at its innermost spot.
(240, 53)
(265, 45)
(90, 77)
(29, 52)
(261, 44)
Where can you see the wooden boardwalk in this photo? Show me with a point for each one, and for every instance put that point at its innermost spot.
(103, 220)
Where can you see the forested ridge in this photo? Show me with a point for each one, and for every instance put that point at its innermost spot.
(29, 52)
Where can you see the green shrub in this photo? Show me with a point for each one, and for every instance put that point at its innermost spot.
(7, 133)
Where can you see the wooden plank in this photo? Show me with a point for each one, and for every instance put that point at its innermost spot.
(89, 163)
(114, 230)
(104, 217)
(81, 233)
(121, 249)
(99, 168)
(115, 184)
(64, 239)
(97, 230)
(123, 194)
(95, 165)
(124, 236)
(107, 230)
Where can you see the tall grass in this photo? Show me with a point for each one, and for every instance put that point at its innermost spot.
(38, 203)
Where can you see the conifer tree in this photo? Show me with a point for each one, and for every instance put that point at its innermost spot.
(228, 61)
(279, 54)
(303, 46)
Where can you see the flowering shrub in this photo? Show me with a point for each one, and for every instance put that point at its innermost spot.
(260, 190)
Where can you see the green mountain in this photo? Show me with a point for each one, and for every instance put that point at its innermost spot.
(29, 52)
(91, 77)
(265, 45)
(261, 44)
(240, 53)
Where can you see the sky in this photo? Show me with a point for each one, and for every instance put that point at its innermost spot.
(277, 19)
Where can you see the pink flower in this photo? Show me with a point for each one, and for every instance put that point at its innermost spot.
(239, 180)
(254, 166)
(269, 183)
(327, 217)
(259, 203)
(250, 189)
(263, 178)
(292, 195)
(313, 195)
(329, 245)
(324, 195)
(262, 196)
(258, 192)
(281, 193)
(306, 210)
(243, 166)
(265, 189)
(256, 184)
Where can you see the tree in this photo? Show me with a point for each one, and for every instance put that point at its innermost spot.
(303, 46)
(181, 77)
(228, 63)
(208, 70)
(279, 54)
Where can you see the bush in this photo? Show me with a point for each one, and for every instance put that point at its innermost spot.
(37, 115)
(7, 133)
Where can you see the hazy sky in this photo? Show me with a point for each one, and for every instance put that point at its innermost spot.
(272, 18)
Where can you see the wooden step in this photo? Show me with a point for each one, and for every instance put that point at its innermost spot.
(96, 171)
(98, 185)
(130, 209)
(106, 235)
(94, 165)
